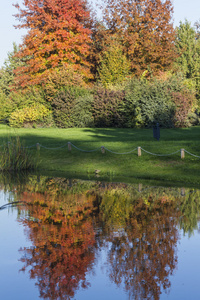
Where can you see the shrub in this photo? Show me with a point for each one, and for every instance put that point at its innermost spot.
(193, 118)
(148, 103)
(183, 104)
(82, 112)
(6, 107)
(63, 106)
(18, 100)
(108, 108)
(36, 115)
(28, 97)
(164, 101)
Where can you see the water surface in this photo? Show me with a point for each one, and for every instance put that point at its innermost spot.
(73, 239)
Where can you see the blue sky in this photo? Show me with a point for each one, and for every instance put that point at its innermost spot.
(189, 9)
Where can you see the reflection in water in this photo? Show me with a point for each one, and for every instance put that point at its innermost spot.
(143, 253)
(62, 253)
(190, 208)
(69, 221)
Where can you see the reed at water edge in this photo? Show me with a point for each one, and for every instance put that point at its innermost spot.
(15, 157)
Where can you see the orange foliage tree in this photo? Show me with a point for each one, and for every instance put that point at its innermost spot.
(63, 242)
(146, 32)
(58, 35)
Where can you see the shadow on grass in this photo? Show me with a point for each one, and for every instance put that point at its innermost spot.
(101, 135)
(128, 134)
(114, 167)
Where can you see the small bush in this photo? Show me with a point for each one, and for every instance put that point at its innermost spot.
(108, 108)
(167, 102)
(14, 157)
(18, 100)
(82, 112)
(6, 106)
(193, 118)
(62, 107)
(65, 105)
(183, 104)
(28, 97)
(36, 115)
(148, 103)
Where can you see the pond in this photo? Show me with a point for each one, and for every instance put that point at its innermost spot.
(74, 239)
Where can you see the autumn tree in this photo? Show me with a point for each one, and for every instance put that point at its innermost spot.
(58, 35)
(146, 30)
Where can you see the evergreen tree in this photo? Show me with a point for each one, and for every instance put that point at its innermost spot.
(7, 71)
(188, 48)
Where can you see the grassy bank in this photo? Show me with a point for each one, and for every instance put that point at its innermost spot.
(166, 168)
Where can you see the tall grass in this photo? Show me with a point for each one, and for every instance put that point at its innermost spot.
(15, 157)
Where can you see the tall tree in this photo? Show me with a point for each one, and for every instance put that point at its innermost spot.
(146, 29)
(58, 34)
(7, 71)
(114, 66)
(188, 48)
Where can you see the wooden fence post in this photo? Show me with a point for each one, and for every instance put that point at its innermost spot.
(182, 153)
(182, 191)
(69, 146)
(103, 150)
(38, 147)
(139, 151)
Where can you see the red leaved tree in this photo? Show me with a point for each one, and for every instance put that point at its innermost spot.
(58, 35)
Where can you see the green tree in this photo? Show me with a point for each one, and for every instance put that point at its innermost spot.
(7, 71)
(188, 48)
(114, 66)
(6, 82)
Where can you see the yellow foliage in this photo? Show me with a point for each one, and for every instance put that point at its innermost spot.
(29, 115)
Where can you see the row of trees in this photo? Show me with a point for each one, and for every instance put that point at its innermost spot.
(68, 55)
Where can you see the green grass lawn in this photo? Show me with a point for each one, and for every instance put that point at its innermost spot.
(129, 166)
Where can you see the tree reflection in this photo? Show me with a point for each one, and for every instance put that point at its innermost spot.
(190, 208)
(67, 224)
(62, 254)
(142, 254)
